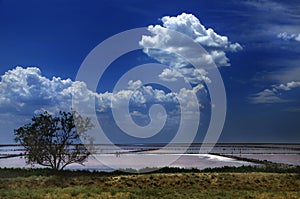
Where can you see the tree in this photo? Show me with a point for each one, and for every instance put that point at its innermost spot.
(54, 141)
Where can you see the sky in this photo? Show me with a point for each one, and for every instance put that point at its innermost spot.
(254, 44)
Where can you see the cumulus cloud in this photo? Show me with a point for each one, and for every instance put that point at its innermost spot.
(185, 96)
(287, 36)
(170, 75)
(192, 27)
(27, 91)
(188, 24)
(22, 87)
(133, 85)
(162, 45)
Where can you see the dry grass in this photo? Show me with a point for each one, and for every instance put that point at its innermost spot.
(179, 185)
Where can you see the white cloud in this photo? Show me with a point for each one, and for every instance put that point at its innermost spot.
(266, 96)
(287, 36)
(169, 75)
(25, 89)
(192, 27)
(195, 76)
(133, 85)
(288, 86)
(188, 24)
(185, 96)
(25, 92)
(191, 75)
(162, 45)
(273, 95)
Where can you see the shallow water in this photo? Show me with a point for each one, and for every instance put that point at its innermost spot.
(291, 159)
(110, 162)
(110, 158)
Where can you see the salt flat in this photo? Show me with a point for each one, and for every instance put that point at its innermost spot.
(109, 162)
(109, 158)
(291, 159)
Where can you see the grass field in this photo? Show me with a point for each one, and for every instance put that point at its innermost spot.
(190, 184)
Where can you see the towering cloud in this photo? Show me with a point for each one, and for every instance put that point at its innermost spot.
(162, 46)
(215, 44)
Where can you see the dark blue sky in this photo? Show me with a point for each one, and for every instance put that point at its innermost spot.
(262, 82)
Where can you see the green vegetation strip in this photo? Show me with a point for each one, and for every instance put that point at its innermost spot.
(172, 183)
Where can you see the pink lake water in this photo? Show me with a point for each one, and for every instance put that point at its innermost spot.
(132, 156)
(110, 162)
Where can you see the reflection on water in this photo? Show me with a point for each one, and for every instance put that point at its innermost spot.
(151, 155)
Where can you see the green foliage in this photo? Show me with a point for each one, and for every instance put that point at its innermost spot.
(54, 141)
